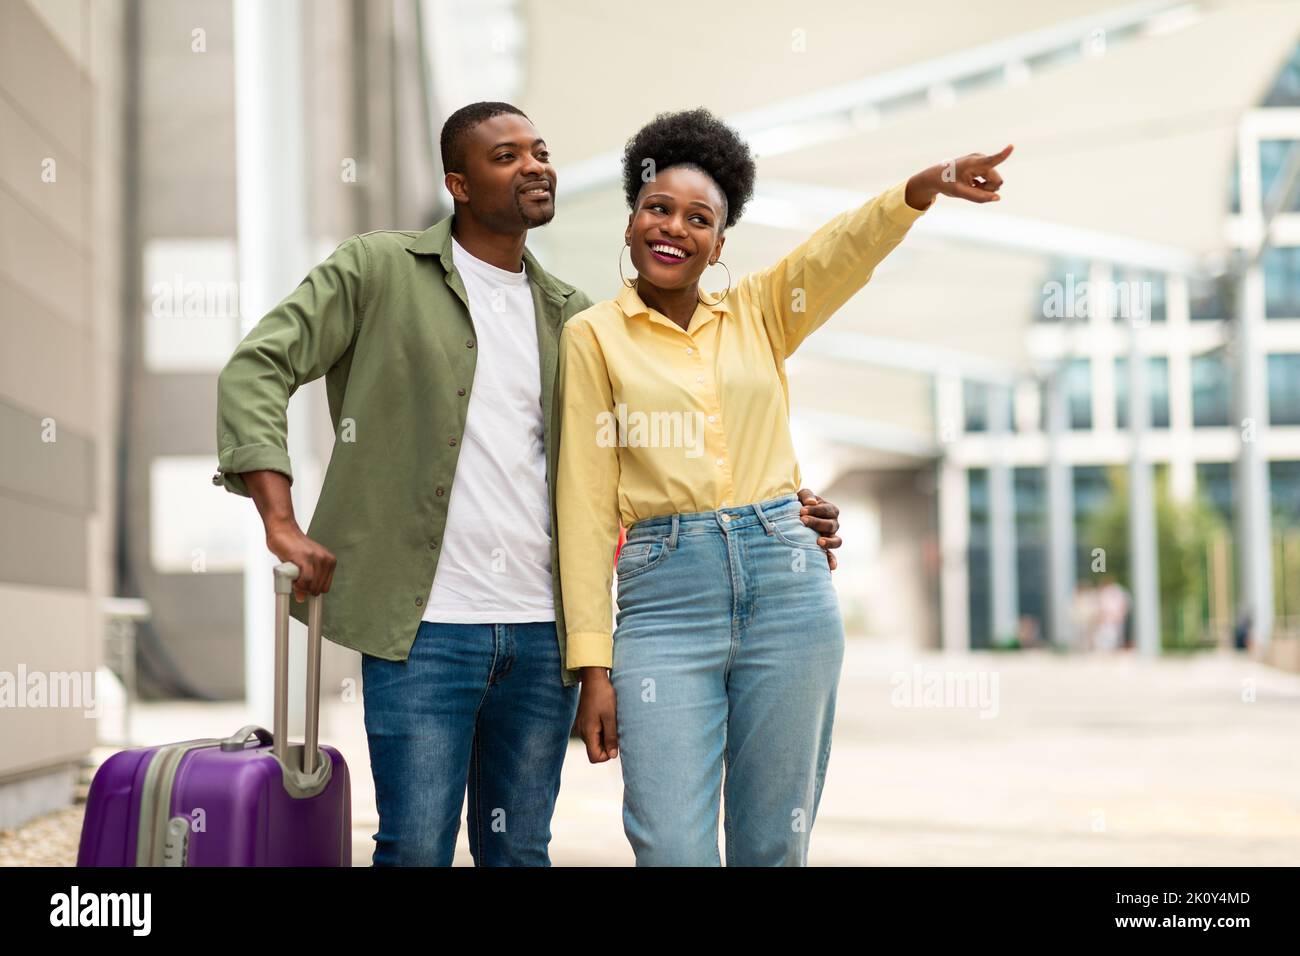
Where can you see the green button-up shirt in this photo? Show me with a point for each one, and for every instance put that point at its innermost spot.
(385, 319)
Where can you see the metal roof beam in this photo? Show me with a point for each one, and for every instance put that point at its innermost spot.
(804, 208)
(851, 108)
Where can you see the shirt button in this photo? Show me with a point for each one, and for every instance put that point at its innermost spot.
(451, 441)
(433, 545)
(419, 602)
(711, 418)
(699, 378)
(719, 461)
(460, 391)
(438, 492)
(469, 344)
(690, 351)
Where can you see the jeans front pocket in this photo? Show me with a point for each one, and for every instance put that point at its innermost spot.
(791, 531)
(640, 555)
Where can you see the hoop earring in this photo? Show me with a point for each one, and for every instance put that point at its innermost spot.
(627, 282)
(720, 299)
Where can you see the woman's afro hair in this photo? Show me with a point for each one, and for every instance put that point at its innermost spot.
(691, 138)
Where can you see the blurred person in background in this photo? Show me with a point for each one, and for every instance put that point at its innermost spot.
(1084, 613)
(728, 641)
(1113, 605)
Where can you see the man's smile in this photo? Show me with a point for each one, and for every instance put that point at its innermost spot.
(538, 191)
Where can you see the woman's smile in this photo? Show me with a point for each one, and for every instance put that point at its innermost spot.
(669, 253)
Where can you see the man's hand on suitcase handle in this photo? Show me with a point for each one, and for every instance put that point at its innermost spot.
(315, 562)
(284, 539)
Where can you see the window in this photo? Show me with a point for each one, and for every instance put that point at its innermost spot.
(1234, 185)
(1211, 298)
(1031, 542)
(1077, 376)
(1215, 480)
(973, 82)
(1282, 282)
(1058, 56)
(977, 554)
(1091, 491)
(191, 304)
(1272, 159)
(1138, 291)
(192, 528)
(1284, 389)
(1286, 88)
(975, 402)
(1211, 391)
(1078, 392)
(1061, 297)
(1284, 490)
(976, 399)
(1030, 504)
(1157, 391)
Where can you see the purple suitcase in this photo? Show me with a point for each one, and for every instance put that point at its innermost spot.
(245, 800)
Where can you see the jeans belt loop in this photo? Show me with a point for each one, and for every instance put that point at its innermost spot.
(672, 536)
(767, 522)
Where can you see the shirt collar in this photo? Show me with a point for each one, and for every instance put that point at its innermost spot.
(436, 241)
(632, 305)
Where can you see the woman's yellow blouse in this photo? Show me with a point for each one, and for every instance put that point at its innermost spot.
(656, 420)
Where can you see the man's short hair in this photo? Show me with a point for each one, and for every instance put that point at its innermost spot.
(461, 122)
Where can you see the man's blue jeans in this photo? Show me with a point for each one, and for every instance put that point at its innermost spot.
(477, 707)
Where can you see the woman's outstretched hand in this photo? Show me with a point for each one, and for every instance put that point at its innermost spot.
(971, 177)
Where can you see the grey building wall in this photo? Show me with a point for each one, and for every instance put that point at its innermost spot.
(361, 111)
(60, 309)
(118, 120)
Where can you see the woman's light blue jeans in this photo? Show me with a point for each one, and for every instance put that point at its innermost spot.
(727, 653)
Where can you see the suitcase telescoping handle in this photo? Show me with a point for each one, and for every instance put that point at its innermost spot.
(285, 575)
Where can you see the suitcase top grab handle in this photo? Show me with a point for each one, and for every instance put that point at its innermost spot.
(285, 574)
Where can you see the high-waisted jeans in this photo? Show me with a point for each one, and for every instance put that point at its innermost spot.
(477, 708)
(727, 653)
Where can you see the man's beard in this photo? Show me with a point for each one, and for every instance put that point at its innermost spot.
(532, 220)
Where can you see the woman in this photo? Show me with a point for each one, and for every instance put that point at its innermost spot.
(675, 422)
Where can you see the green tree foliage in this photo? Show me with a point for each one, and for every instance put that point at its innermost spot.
(1184, 531)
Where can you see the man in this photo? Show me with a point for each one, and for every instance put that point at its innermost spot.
(439, 353)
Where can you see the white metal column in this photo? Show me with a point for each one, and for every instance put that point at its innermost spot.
(272, 260)
(954, 521)
(1182, 464)
(1254, 531)
(1254, 518)
(1143, 558)
(1060, 516)
(1004, 582)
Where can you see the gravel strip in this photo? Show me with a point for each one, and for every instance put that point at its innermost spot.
(49, 840)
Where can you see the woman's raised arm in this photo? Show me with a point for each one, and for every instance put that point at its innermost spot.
(800, 292)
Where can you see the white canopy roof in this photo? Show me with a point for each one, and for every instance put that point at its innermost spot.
(1125, 152)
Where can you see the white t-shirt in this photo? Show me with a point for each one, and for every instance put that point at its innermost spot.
(496, 550)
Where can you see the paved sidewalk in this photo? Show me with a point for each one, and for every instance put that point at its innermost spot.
(1079, 761)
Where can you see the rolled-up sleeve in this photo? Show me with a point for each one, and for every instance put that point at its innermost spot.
(800, 292)
(296, 342)
(586, 498)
